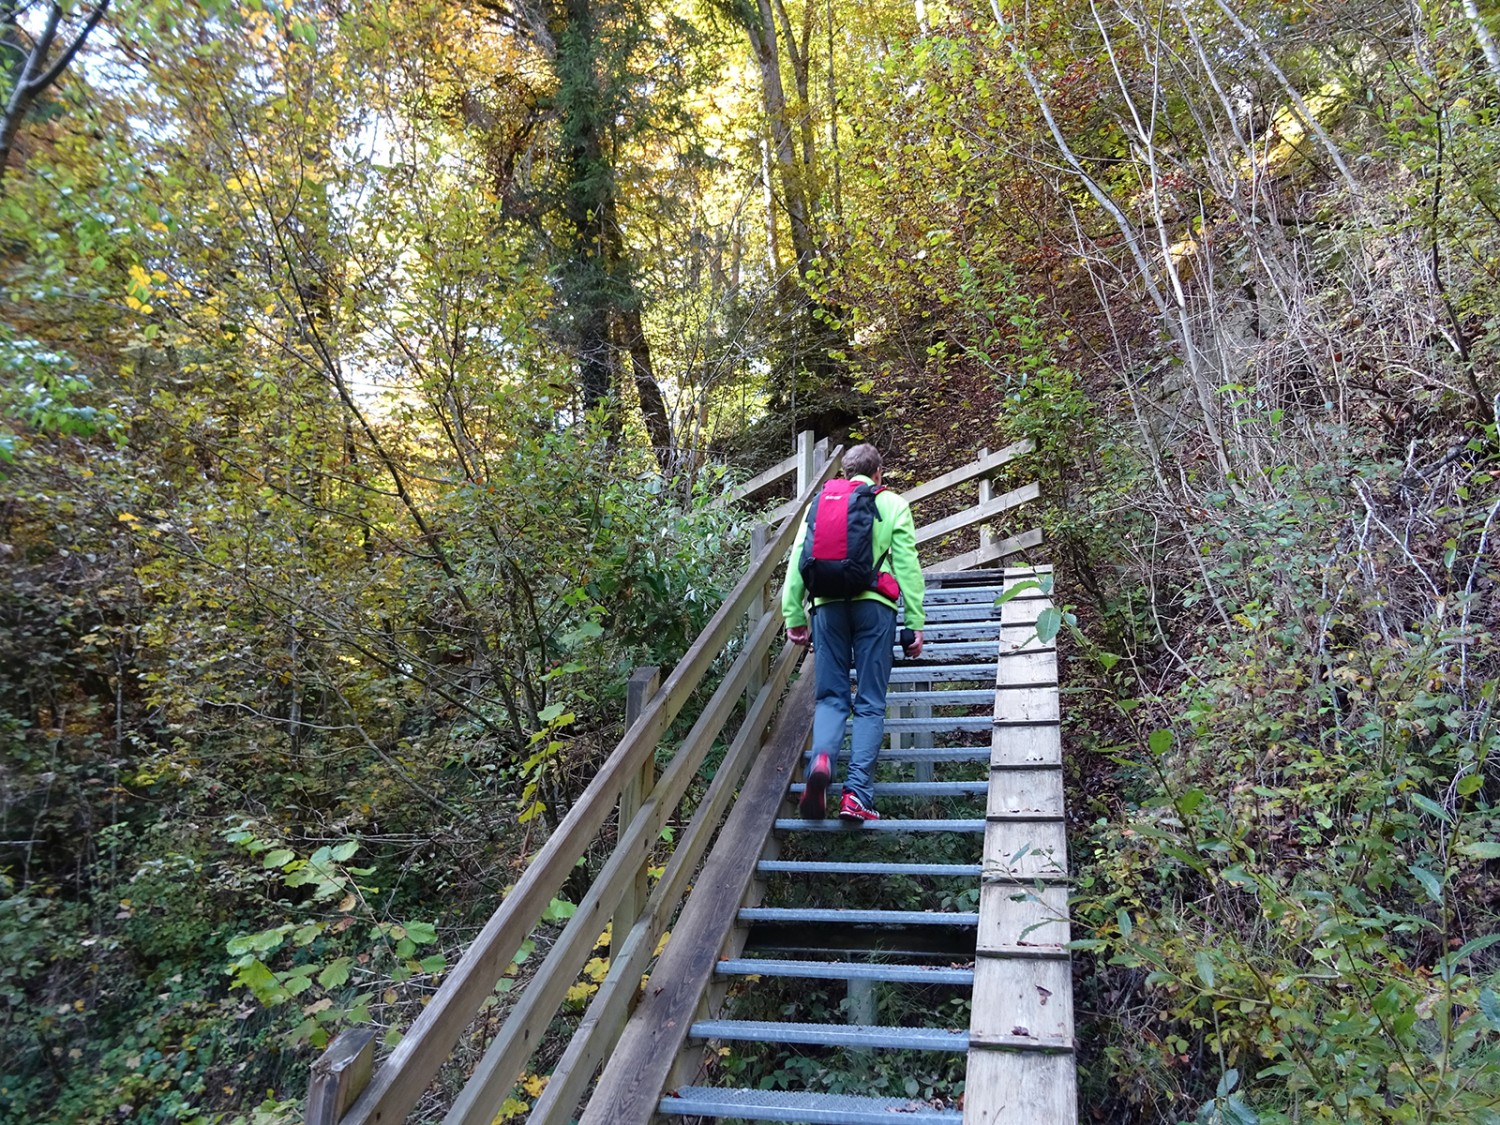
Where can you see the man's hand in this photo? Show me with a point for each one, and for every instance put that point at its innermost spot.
(799, 634)
(916, 645)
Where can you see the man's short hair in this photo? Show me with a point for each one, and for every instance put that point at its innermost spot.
(862, 461)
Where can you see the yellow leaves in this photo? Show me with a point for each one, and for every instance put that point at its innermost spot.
(139, 292)
(534, 1084)
(596, 969)
(511, 1109)
(580, 992)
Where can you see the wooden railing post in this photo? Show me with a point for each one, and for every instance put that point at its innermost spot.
(340, 1075)
(807, 464)
(760, 535)
(986, 494)
(638, 690)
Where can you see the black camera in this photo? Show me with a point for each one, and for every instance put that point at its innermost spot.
(908, 638)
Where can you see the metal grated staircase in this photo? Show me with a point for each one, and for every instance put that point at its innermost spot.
(817, 915)
(970, 788)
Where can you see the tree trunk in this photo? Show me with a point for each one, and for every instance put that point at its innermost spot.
(773, 99)
(653, 405)
(35, 76)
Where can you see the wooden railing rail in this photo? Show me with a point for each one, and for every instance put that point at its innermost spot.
(980, 513)
(610, 1009)
(399, 1082)
(632, 1083)
(985, 465)
(805, 463)
(506, 1057)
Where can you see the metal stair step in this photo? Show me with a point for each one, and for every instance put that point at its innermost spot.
(938, 724)
(936, 631)
(914, 788)
(859, 1036)
(799, 1106)
(826, 867)
(964, 595)
(955, 652)
(943, 614)
(935, 754)
(955, 672)
(786, 914)
(882, 825)
(955, 698)
(844, 970)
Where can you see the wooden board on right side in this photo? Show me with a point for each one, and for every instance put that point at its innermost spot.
(1020, 1088)
(1021, 1069)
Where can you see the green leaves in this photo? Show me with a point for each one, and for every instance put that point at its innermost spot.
(335, 973)
(1431, 807)
(1430, 882)
(1204, 965)
(1048, 622)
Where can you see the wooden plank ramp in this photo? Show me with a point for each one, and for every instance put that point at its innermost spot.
(811, 912)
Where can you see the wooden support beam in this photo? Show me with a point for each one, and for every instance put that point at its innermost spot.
(340, 1075)
(639, 688)
(630, 1087)
(986, 494)
(807, 470)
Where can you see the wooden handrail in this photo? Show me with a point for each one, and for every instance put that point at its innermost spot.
(777, 472)
(993, 553)
(981, 467)
(805, 463)
(507, 1054)
(632, 1082)
(399, 1083)
(980, 513)
(608, 1011)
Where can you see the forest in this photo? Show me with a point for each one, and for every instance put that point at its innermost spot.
(373, 374)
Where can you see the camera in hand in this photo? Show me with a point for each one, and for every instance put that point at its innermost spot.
(908, 638)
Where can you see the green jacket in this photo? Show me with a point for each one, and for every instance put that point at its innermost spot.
(894, 532)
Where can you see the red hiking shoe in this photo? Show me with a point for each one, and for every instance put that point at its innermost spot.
(853, 809)
(814, 803)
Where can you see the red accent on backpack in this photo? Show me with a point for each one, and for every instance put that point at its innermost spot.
(838, 548)
(831, 531)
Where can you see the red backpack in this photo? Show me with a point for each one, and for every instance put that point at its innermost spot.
(838, 551)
